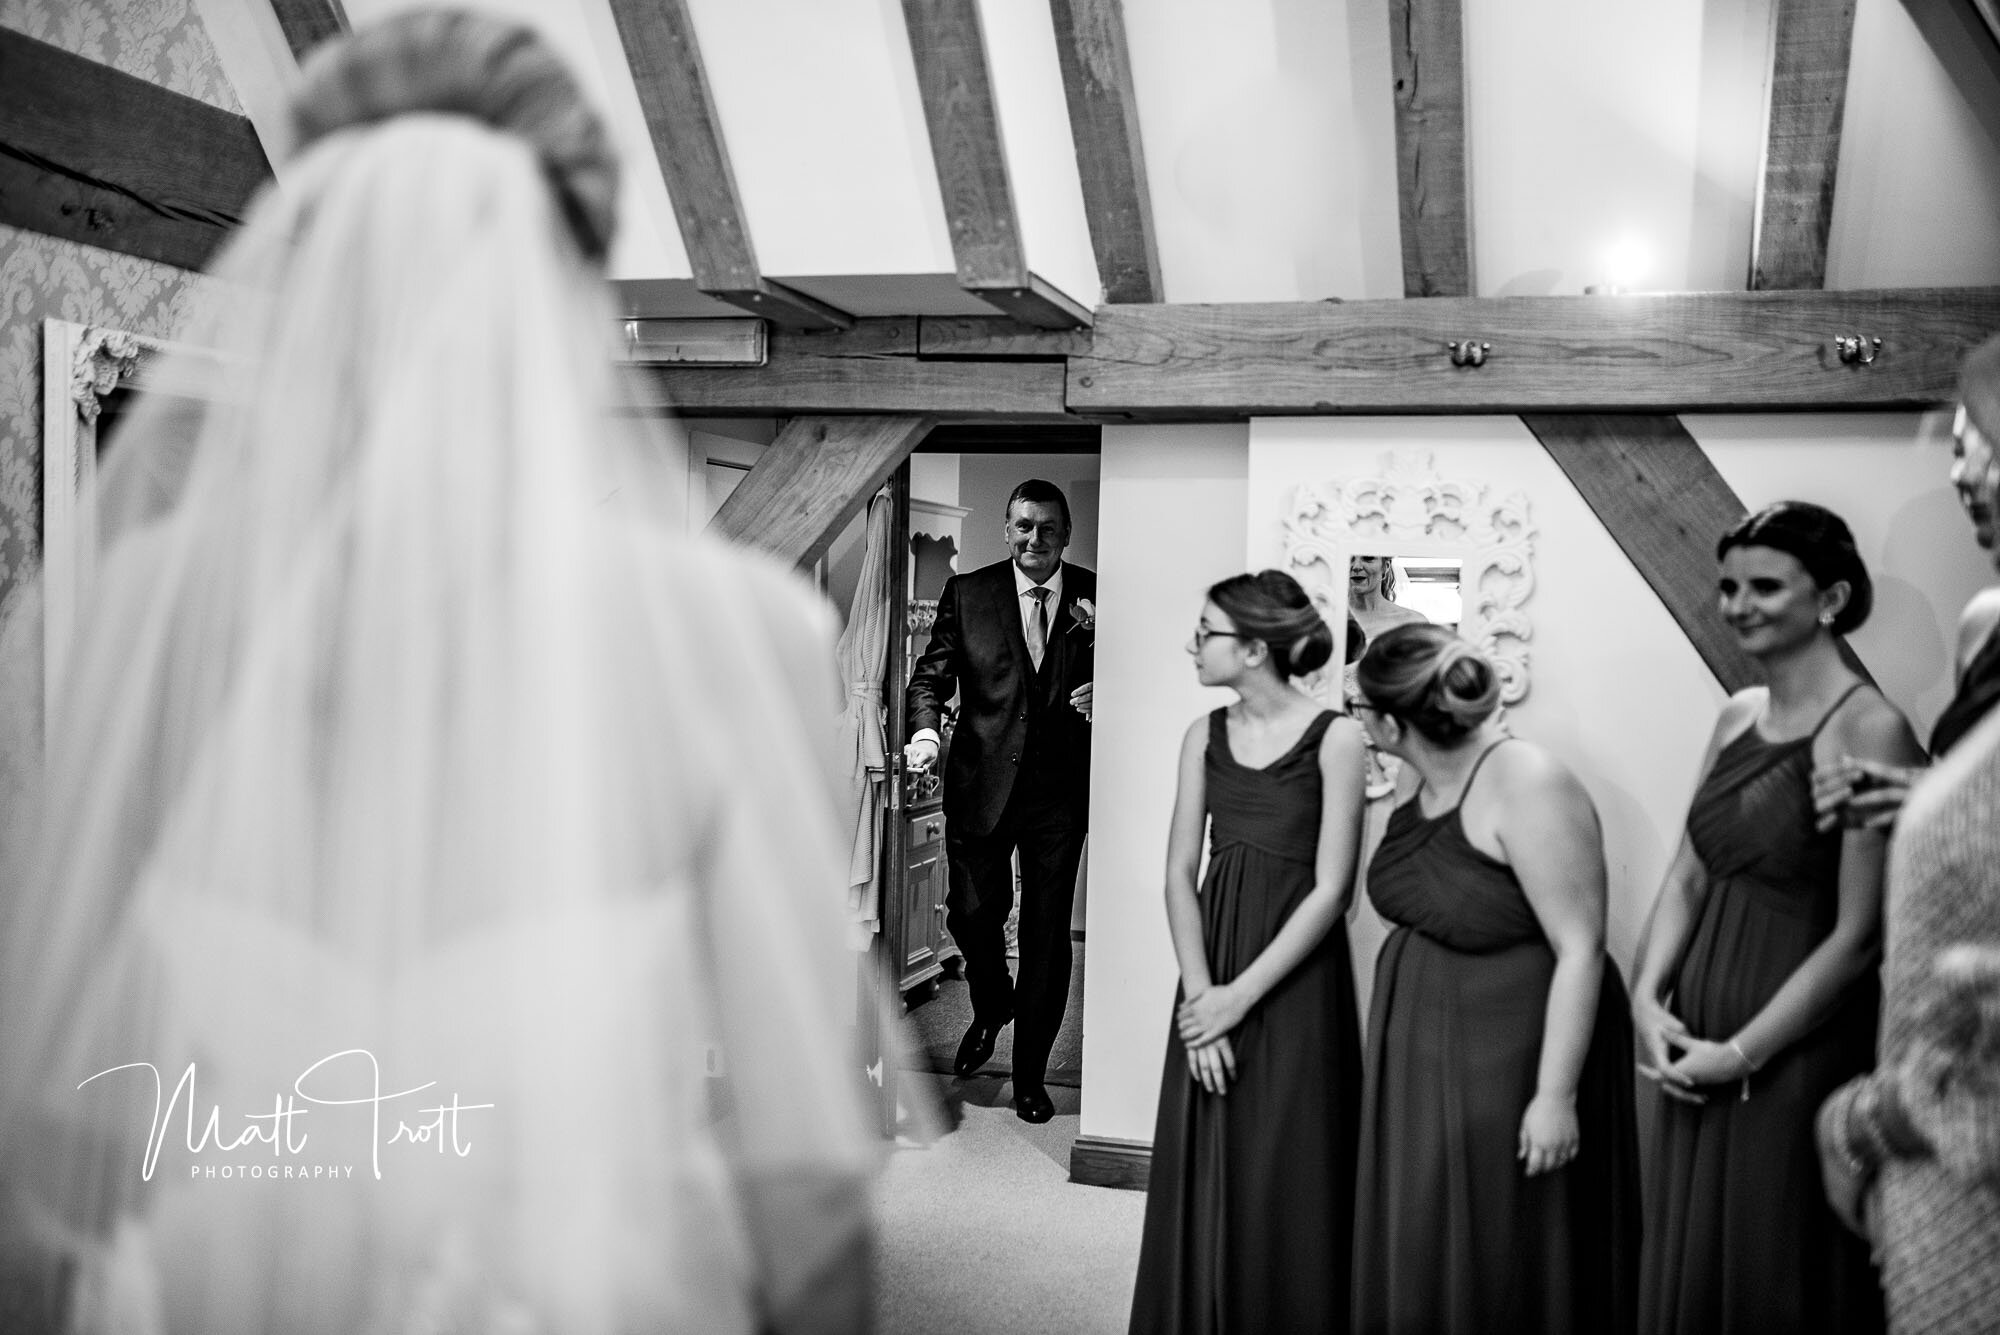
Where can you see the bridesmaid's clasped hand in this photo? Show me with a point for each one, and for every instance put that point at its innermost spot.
(1210, 1014)
(1205, 1020)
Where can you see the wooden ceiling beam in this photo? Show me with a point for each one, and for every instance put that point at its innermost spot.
(1660, 497)
(1719, 350)
(876, 367)
(817, 475)
(95, 155)
(1809, 57)
(1755, 351)
(955, 83)
(1111, 160)
(307, 23)
(1963, 35)
(994, 337)
(667, 70)
(1427, 62)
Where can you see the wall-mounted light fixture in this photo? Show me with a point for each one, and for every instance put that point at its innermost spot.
(711, 342)
(1625, 262)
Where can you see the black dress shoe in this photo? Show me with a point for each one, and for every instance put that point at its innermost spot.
(1033, 1104)
(976, 1047)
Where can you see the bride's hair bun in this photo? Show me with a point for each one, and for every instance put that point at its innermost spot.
(498, 73)
(1431, 679)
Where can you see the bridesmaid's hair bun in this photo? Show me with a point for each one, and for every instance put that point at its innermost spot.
(1271, 606)
(501, 74)
(1822, 543)
(1430, 679)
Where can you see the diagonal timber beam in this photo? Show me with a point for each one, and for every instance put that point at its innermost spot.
(955, 84)
(1809, 59)
(91, 154)
(1964, 36)
(1660, 498)
(812, 479)
(1110, 159)
(307, 23)
(1427, 60)
(667, 70)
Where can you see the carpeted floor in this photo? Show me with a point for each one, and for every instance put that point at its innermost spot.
(982, 1233)
(933, 1031)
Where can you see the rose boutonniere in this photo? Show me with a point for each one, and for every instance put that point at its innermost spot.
(1084, 613)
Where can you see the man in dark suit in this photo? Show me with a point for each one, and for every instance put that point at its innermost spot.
(1014, 644)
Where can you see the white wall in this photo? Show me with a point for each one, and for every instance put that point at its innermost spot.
(1917, 200)
(1585, 128)
(818, 105)
(1041, 154)
(1617, 691)
(1171, 519)
(1594, 125)
(1264, 180)
(934, 477)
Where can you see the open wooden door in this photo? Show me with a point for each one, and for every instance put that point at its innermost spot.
(882, 1002)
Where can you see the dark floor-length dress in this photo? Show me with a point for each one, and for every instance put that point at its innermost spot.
(1451, 1237)
(1738, 1233)
(1250, 1202)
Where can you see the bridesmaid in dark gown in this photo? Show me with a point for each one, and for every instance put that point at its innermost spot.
(1249, 1207)
(1499, 1182)
(1756, 990)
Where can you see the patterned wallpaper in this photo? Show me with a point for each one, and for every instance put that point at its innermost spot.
(162, 41)
(43, 278)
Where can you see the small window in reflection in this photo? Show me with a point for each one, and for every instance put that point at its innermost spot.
(1386, 591)
(1429, 584)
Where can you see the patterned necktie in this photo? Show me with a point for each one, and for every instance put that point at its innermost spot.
(1038, 625)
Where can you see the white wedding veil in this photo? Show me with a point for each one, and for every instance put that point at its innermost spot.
(403, 734)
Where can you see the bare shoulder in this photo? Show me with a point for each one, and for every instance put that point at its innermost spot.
(1976, 622)
(1533, 776)
(1344, 740)
(1867, 725)
(1532, 806)
(1195, 740)
(1739, 711)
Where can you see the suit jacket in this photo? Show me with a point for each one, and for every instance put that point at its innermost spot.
(977, 649)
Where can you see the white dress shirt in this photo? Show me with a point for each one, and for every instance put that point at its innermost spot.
(1026, 606)
(1022, 584)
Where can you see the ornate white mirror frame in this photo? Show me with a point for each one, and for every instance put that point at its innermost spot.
(82, 365)
(1409, 510)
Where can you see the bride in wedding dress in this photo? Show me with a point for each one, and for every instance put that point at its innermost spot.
(432, 918)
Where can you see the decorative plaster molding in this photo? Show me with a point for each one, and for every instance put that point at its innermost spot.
(1408, 509)
(103, 358)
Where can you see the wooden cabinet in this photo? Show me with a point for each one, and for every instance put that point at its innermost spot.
(925, 943)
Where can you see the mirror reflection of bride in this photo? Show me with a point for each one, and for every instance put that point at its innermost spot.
(1371, 595)
(1372, 605)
